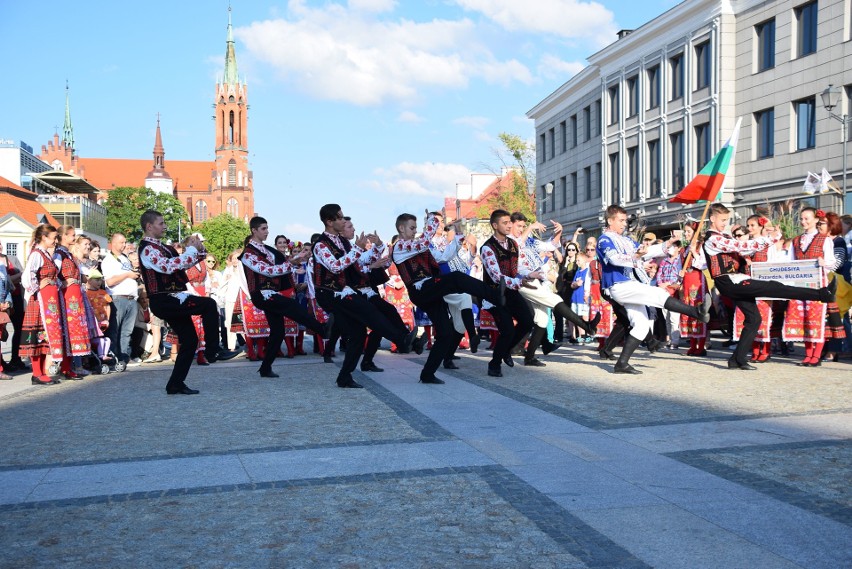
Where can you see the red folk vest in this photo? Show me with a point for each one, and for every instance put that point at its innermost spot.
(507, 259)
(723, 263)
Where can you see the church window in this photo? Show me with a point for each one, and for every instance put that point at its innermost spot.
(231, 127)
(239, 178)
(232, 172)
(200, 211)
(231, 99)
(233, 208)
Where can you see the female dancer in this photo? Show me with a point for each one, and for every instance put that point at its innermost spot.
(760, 348)
(43, 332)
(76, 324)
(692, 292)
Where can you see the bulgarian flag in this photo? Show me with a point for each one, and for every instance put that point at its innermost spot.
(706, 185)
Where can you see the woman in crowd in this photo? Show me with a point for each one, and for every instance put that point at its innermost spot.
(567, 270)
(831, 227)
(692, 291)
(5, 307)
(230, 290)
(43, 327)
(761, 351)
(197, 275)
(16, 312)
(77, 341)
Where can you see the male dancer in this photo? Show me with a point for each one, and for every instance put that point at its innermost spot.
(536, 291)
(335, 269)
(724, 255)
(618, 255)
(269, 273)
(164, 275)
(370, 269)
(500, 255)
(427, 286)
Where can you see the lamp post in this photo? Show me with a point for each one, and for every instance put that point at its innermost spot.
(830, 100)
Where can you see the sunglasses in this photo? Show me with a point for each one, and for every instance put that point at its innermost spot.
(571, 249)
(210, 261)
(590, 250)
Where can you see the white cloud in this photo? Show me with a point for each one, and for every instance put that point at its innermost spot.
(372, 5)
(565, 18)
(478, 123)
(342, 54)
(433, 179)
(551, 67)
(410, 117)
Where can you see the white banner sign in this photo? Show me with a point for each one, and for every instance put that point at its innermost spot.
(805, 273)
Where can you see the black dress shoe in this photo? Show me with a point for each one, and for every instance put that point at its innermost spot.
(450, 365)
(370, 366)
(431, 379)
(455, 357)
(495, 372)
(223, 355)
(418, 344)
(328, 359)
(474, 344)
(182, 390)
(607, 355)
(732, 364)
(534, 362)
(42, 380)
(509, 361)
(267, 373)
(550, 347)
(627, 369)
(351, 384)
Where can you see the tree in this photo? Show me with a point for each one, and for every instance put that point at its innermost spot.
(223, 234)
(126, 204)
(517, 158)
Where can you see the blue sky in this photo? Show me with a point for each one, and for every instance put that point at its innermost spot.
(379, 105)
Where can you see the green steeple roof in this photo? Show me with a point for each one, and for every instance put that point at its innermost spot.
(67, 129)
(230, 56)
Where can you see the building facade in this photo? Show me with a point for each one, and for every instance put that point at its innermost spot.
(653, 107)
(205, 188)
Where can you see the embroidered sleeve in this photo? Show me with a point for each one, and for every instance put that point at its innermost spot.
(152, 258)
(449, 251)
(492, 267)
(30, 278)
(326, 258)
(610, 254)
(726, 244)
(258, 265)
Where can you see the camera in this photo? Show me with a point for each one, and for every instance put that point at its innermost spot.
(580, 229)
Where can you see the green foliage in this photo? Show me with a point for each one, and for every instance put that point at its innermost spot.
(784, 215)
(518, 157)
(126, 204)
(223, 234)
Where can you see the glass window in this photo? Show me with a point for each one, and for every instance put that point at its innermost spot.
(552, 143)
(654, 87)
(633, 96)
(599, 178)
(677, 162)
(765, 121)
(614, 175)
(574, 189)
(563, 135)
(542, 148)
(11, 249)
(232, 172)
(805, 123)
(587, 123)
(633, 173)
(573, 131)
(765, 45)
(702, 144)
(563, 187)
(233, 208)
(553, 198)
(676, 64)
(703, 65)
(614, 109)
(654, 167)
(587, 180)
(543, 200)
(806, 18)
(200, 211)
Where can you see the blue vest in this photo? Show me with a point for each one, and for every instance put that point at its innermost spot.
(611, 274)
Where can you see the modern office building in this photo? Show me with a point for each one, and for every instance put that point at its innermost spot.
(653, 107)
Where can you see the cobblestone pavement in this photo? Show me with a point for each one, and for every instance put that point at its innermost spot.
(688, 465)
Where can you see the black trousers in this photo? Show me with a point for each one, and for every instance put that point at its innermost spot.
(354, 314)
(510, 334)
(179, 317)
(744, 294)
(17, 319)
(430, 299)
(621, 325)
(276, 308)
(374, 339)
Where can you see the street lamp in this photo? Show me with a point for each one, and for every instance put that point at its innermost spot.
(830, 100)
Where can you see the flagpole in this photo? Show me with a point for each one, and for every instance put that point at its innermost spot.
(694, 239)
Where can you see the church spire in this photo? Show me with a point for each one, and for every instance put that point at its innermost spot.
(68, 130)
(231, 77)
(159, 151)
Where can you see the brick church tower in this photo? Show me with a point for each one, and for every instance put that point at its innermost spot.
(233, 177)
